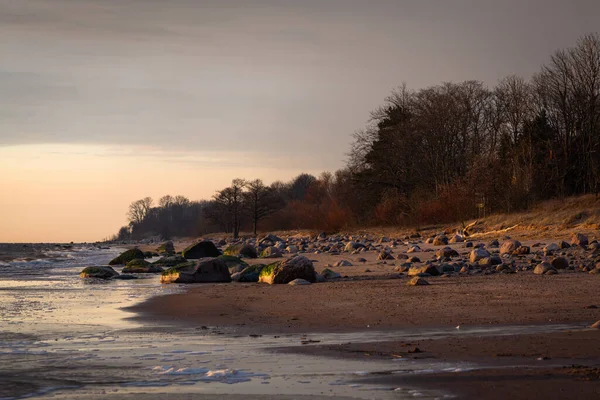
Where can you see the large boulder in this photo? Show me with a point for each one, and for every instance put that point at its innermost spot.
(202, 249)
(248, 274)
(127, 256)
(271, 252)
(167, 248)
(287, 270)
(234, 264)
(510, 247)
(477, 254)
(139, 266)
(241, 250)
(101, 272)
(579, 239)
(169, 261)
(422, 270)
(210, 270)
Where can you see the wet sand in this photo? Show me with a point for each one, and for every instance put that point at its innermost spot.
(382, 304)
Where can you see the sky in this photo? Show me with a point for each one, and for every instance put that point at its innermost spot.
(103, 102)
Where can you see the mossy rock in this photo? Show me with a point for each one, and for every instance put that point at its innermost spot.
(169, 261)
(180, 267)
(241, 250)
(210, 270)
(201, 249)
(285, 271)
(98, 272)
(139, 266)
(127, 256)
(166, 248)
(271, 252)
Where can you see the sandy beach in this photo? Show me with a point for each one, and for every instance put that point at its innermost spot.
(513, 361)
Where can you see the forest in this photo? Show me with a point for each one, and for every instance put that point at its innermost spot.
(445, 153)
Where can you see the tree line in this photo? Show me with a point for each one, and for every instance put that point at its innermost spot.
(444, 153)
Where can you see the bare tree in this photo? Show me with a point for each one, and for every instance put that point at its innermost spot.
(138, 210)
(229, 202)
(261, 201)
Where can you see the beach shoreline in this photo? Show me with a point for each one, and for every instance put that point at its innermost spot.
(521, 365)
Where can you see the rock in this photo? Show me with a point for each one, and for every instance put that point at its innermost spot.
(469, 244)
(362, 260)
(423, 269)
(127, 256)
(343, 263)
(235, 264)
(292, 249)
(579, 239)
(384, 255)
(504, 268)
(169, 261)
(150, 254)
(413, 259)
(560, 263)
(299, 281)
(456, 238)
(330, 274)
(413, 249)
(416, 281)
(202, 271)
(287, 270)
(446, 252)
(440, 240)
(351, 246)
(248, 274)
(166, 248)
(429, 240)
(595, 325)
(543, 268)
(510, 247)
(202, 249)
(477, 254)
(269, 240)
(551, 248)
(593, 246)
(139, 266)
(101, 272)
(494, 243)
(564, 245)
(271, 252)
(490, 261)
(240, 250)
(522, 251)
